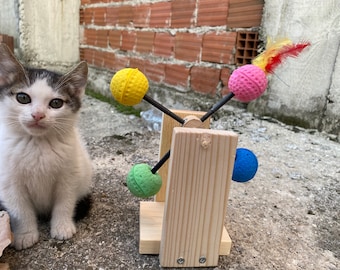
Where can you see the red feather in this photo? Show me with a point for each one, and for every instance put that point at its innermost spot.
(291, 50)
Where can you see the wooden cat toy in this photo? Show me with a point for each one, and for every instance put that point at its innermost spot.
(185, 222)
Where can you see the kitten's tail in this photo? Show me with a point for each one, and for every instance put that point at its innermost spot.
(83, 207)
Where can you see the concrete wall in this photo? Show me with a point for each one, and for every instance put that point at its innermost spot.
(49, 32)
(305, 91)
(9, 19)
(46, 32)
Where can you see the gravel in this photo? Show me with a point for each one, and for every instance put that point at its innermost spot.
(287, 217)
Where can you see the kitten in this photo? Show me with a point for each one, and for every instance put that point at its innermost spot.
(44, 167)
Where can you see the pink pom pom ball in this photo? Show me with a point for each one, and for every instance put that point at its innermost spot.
(247, 83)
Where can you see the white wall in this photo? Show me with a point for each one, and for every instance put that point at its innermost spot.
(46, 33)
(305, 90)
(49, 32)
(9, 19)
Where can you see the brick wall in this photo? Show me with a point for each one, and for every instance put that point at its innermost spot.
(8, 40)
(186, 44)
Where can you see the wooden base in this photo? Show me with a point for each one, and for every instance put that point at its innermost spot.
(151, 218)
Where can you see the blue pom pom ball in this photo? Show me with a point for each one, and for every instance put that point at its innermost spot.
(245, 166)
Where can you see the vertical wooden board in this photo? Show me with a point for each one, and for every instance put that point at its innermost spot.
(200, 171)
(168, 125)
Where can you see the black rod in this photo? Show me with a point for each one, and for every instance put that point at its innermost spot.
(214, 108)
(161, 162)
(218, 105)
(163, 109)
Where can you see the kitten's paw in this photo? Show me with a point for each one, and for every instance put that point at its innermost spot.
(25, 240)
(63, 230)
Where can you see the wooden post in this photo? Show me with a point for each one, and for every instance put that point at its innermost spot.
(168, 125)
(185, 222)
(200, 170)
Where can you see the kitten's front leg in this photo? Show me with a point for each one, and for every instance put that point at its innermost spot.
(25, 228)
(62, 224)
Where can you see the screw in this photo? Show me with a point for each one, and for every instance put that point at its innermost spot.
(180, 260)
(202, 259)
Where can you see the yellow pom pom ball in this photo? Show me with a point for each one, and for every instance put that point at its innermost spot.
(129, 86)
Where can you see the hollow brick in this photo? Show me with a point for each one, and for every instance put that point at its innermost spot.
(204, 80)
(160, 14)
(163, 44)
(219, 47)
(182, 13)
(188, 46)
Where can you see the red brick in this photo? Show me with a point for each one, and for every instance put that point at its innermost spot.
(160, 14)
(138, 63)
(204, 80)
(90, 36)
(98, 58)
(219, 47)
(112, 15)
(154, 72)
(99, 16)
(109, 60)
(88, 15)
(163, 44)
(87, 55)
(245, 13)
(121, 61)
(145, 41)
(182, 13)
(225, 75)
(8, 40)
(97, 1)
(212, 12)
(101, 1)
(81, 16)
(102, 38)
(81, 53)
(188, 46)
(125, 15)
(177, 75)
(141, 15)
(84, 2)
(128, 41)
(115, 39)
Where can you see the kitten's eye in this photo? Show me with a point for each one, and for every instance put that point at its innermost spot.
(56, 103)
(23, 98)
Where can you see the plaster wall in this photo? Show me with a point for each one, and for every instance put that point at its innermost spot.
(305, 91)
(9, 19)
(49, 32)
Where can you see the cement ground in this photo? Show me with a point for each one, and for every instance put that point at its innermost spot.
(286, 218)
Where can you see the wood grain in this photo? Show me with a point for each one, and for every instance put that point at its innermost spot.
(168, 125)
(200, 170)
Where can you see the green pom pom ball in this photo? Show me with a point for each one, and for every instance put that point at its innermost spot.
(142, 182)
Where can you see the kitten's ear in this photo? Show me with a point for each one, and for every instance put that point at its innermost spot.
(75, 80)
(10, 68)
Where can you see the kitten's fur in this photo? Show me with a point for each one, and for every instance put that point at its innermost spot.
(44, 167)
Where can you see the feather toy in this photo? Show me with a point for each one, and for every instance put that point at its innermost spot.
(276, 52)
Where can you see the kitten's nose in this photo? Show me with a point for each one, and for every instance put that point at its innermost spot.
(38, 116)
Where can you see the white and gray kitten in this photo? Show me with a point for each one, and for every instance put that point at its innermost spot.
(44, 167)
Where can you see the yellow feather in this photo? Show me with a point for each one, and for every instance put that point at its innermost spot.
(272, 48)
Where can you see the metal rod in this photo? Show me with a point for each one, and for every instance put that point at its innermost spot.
(163, 109)
(161, 162)
(218, 105)
(214, 108)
